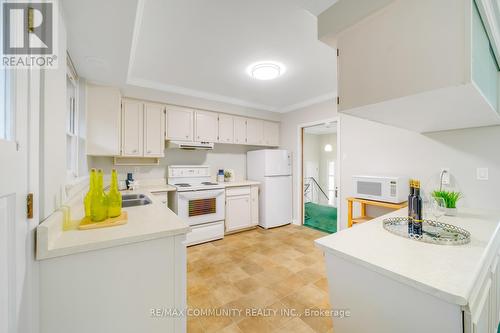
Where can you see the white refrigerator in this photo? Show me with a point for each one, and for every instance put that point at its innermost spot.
(273, 169)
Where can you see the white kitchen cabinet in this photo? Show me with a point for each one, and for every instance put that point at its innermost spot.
(271, 133)
(421, 65)
(132, 128)
(238, 208)
(102, 120)
(226, 128)
(240, 130)
(255, 131)
(180, 123)
(481, 319)
(206, 126)
(154, 130)
(254, 196)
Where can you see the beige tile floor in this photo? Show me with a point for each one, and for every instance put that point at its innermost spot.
(272, 271)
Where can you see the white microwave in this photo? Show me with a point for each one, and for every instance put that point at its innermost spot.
(386, 189)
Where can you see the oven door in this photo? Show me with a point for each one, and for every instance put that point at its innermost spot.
(203, 206)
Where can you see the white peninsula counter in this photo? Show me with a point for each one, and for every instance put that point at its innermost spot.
(110, 279)
(394, 284)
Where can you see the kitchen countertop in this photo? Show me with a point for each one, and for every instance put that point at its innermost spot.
(241, 183)
(144, 223)
(447, 272)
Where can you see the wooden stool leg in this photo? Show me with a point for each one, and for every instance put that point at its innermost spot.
(363, 209)
(349, 213)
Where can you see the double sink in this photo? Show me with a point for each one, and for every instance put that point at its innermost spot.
(132, 200)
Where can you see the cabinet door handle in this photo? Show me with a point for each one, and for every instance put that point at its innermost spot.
(134, 151)
(149, 151)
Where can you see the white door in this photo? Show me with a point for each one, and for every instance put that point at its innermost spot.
(271, 133)
(206, 126)
(481, 318)
(238, 212)
(254, 195)
(132, 128)
(17, 144)
(278, 163)
(240, 130)
(255, 132)
(226, 129)
(154, 130)
(276, 201)
(180, 123)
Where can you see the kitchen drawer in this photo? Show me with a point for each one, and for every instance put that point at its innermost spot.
(234, 191)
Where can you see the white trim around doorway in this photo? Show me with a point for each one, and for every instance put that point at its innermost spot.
(300, 165)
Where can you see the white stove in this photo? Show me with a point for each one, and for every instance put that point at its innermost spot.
(198, 200)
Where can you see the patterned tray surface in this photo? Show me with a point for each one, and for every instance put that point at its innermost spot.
(433, 232)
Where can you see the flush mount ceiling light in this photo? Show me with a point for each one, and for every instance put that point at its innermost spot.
(266, 70)
(328, 147)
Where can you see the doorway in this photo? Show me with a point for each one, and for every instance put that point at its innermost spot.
(319, 191)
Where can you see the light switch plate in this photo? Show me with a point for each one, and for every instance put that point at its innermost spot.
(482, 174)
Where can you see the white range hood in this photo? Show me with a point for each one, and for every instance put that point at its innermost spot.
(191, 145)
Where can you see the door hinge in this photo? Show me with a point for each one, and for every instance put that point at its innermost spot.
(338, 100)
(31, 19)
(29, 205)
(338, 52)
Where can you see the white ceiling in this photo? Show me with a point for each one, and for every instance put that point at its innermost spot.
(202, 48)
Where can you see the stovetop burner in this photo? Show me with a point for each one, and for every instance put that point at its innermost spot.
(183, 185)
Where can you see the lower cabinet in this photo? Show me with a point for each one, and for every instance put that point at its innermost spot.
(242, 208)
(483, 314)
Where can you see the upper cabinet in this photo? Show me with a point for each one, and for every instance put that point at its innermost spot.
(255, 132)
(421, 65)
(206, 126)
(180, 123)
(103, 120)
(154, 130)
(240, 130)
(226, 128)
(132, 128)
(143, 129)
(271, 133)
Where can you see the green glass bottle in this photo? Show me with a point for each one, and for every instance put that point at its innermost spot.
(88, 197)
(114, 197)
(98, 203)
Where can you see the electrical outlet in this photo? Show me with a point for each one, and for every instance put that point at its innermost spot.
(445, 176)
(482, 174)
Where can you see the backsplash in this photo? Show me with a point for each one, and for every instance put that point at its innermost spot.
(221, 157)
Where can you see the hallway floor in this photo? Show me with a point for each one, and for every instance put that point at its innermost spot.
(275, 272)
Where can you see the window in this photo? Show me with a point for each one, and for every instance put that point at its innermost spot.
(71, 127)
(331, 183)
(6, 120)
(76, 159)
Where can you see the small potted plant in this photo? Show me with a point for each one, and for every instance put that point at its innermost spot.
(450, 198)
(228, 175)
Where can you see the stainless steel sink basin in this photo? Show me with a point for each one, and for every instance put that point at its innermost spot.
(132, 200)
(133, 196)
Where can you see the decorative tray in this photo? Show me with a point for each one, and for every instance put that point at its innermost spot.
(433, 232)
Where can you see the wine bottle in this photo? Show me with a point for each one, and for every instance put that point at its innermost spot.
(98, 206)
(88, 197)
(114, 197)
(410, 209)
(417, 211)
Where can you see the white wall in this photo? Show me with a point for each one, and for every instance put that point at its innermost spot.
(373, 148)
(222, 157)
(312, 154)
(53, 130)
(290, 135)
